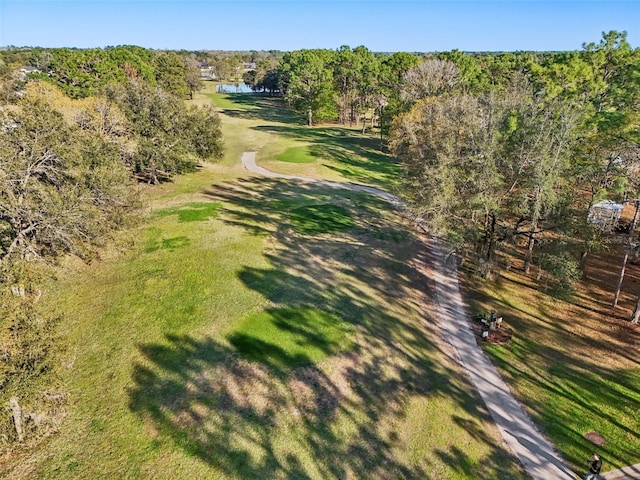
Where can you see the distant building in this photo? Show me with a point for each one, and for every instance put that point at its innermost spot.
(23, 72)
(30, 69)
(605, 214)
(206, 73)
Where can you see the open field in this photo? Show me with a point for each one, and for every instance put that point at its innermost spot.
(260, 328)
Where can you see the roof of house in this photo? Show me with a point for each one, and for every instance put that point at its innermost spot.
(608, 205)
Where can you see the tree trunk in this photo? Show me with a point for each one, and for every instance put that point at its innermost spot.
(153, 176)
(620, 278)
(635, 218)
(635, 254)
(540, 272)
(532, 229)
(380, 122)
(636, 312)
(529, 255)
(492, 235)
(16, 411)
(310, 117)
(343, 107)
(583, 260)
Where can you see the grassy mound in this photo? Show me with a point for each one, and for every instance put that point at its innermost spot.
(296, 155)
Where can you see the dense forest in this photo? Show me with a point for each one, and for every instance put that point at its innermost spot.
(496, 148)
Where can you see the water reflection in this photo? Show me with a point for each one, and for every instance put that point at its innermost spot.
(233, 88)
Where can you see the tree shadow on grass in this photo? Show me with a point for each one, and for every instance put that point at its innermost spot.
(585, 378)
(491, 467)
(235, 414)
(256, 106)
(252, 405)
(351, 154)
(241, 417)
(290, 337)
(577, 397)
(191, 212)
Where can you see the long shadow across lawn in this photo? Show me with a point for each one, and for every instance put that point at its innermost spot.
(576, 400)
(578, 393)
(252, 409)
(353, 155)
(258, 106)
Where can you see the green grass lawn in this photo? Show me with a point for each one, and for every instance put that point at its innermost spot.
(340, 153)
(284, 144)
(288, 337)
(296, 155)
(258, 328)
(318, 219)
(568, 391)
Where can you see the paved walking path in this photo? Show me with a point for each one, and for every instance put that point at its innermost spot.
(632, 472)
(249, 162)
(534, 451)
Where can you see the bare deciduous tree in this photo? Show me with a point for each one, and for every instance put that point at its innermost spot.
(428, 79)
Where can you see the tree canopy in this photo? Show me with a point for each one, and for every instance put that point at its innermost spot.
(76, 140)
(524, 155)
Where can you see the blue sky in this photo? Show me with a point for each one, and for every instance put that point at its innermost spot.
(416, 26)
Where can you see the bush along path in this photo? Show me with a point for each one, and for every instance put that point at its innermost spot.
(534, 451)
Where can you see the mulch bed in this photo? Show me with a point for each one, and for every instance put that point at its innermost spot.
(499, 336)
(595, 438)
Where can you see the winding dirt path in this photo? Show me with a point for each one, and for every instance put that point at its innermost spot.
(534, 451)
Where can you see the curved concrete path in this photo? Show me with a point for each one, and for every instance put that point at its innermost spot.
(534, 451)
(249, 162)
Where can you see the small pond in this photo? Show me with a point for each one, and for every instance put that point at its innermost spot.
(233, 88)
